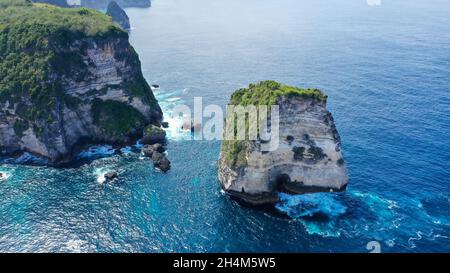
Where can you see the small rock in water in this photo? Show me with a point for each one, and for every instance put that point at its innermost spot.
(159, 148)
(156, 86)
(193, 127)
(160, 161)
(153, 134)
(155, 152)
(2, 176)
(196, 128)
(165, 124)
(186, 125)
(148, 150)
(110, 176)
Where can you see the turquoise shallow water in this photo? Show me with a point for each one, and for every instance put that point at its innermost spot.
(386, 70)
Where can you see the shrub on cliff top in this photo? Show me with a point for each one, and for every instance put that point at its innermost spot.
(268, 92)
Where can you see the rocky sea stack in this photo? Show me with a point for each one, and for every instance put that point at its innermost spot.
(118, 15)
(101, 4)
(308, 158)
(68, 76)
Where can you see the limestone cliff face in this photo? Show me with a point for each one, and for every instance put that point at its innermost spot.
(77, 88)
(112, 81)
(308, 158)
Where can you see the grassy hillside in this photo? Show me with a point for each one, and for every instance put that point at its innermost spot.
(83, 21)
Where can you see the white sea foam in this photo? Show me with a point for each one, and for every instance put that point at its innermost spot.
(390, 243)
(138, 145)
(26, 158)
(75, 245)
(173, 99)
(126, 150)
(310, 204)
(100, 174)
(163, 95)
(305, 208)
(174, 131)
(94, 152)
(6, 176)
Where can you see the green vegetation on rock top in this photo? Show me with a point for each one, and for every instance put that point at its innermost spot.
(151, 129)
(268, 92)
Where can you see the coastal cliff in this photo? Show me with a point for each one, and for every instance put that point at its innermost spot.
(69, 79)
(118, 15)
(113, 9)
(102, 4)
(96, 4)
(308, 157)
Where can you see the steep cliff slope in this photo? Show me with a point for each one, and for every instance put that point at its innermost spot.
(68, 76)
(308, 158)
(118, 15)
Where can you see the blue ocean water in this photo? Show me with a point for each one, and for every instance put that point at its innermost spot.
(386, 70)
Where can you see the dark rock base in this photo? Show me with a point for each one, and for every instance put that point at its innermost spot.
(269, 199)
